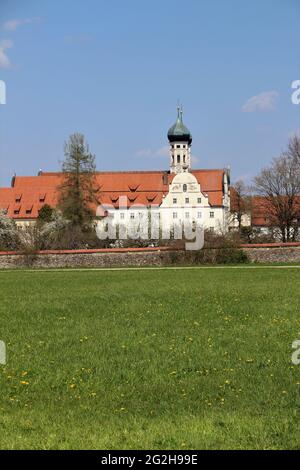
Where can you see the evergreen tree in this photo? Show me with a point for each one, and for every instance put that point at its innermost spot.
(78, 189)
(45, 214)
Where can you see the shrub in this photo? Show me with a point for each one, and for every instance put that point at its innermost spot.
(9, 236)
(231, 255)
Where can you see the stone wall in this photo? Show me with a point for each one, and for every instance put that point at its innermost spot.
(277, 254)
(289, 253)
(89, 259)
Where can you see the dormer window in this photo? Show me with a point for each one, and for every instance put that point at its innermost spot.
(28, 209)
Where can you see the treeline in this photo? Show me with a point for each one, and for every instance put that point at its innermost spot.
(273, 199)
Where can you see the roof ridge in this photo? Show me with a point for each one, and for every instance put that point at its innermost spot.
(58, 173)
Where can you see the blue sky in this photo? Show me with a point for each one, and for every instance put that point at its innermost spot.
(115, 70)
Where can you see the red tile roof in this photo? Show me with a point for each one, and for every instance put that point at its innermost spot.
(30, 193)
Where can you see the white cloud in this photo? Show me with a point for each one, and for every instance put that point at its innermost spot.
(161, 152)
(4, 60)
(12, 25)
(263, 102)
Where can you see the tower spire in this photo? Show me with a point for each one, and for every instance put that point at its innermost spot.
(180, 140)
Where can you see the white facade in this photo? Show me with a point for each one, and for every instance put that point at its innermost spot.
(185, 203)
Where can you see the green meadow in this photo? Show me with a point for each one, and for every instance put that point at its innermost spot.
(150, 359)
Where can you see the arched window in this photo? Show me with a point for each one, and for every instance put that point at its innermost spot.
(184, 188)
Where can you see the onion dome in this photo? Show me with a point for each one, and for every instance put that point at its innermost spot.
(179, 132)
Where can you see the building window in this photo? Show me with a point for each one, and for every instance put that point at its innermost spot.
(174, 200)
(184, 146)
(187, 200)
(212, 215)
(121, 215)
(184, 188)
(211, 229)
(174, 215)
(132, 215)
(187, 215)
(199, 215)
(183, 158)
(178, 158)
(199, 200)
(178, 146)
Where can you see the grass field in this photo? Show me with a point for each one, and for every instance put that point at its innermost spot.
(167, 359)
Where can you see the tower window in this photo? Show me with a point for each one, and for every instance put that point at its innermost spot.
(187, 200)
(174, 215)
(178, 158)
(199, 200)
(183, 158)
(174, 200)
(211, 215)
(184, 188)
(183, 146)
(178, 146)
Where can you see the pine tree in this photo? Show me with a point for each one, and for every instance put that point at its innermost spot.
(78, 190)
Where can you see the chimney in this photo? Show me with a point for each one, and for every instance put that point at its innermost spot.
(13, 180)
(165, 177)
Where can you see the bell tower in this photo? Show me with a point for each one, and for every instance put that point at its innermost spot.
(180, 140)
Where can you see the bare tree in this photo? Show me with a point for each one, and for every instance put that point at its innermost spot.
(240, 203)
(279, 185)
